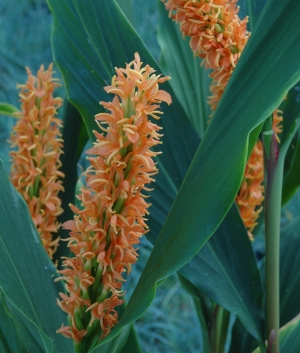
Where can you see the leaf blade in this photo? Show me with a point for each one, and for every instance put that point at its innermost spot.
(29, 271)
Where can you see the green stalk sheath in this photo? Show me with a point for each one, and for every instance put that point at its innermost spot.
(272, 223)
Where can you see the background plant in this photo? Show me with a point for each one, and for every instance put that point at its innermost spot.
(178, 153)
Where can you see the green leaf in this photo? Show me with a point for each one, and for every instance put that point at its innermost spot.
(27, 274)
(132, 344)
(291, 111)
(214, 272)
(30, 337)
(241, 340)
(126, 6)
(289, 337)
(8, 109)
(190, 82)
(215, 174)
(203, 307)
(228, 275)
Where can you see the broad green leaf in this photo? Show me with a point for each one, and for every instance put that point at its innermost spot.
(214, 272)
(27, 274)
(7, 109)
(132, 344)
(289, 337)
(215, 174)
(190, 82)
(228, 275)
(291, 108)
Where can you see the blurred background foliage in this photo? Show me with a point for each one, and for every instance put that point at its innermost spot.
(170, 324)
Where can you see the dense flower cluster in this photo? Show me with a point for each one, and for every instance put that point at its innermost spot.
(217, 35)
(112, 219)
(37, 146)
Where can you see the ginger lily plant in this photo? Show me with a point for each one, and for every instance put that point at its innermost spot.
(232, 261)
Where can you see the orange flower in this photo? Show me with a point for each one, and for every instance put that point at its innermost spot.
(217, 35)
(104, 233)
(251, 191)
(277, 120)
(35, 160)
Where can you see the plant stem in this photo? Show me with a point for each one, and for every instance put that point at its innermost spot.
(219, 329)
(77, 348)
(272, 222)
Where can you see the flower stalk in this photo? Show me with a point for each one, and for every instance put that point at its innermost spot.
(104, 233)
(273, 203)
(272, 225)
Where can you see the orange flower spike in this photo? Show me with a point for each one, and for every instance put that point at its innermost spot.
(216, 34)
(113, 212)
(38, 145)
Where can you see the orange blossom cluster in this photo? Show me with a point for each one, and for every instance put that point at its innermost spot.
(105, 231)
(37, 146)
